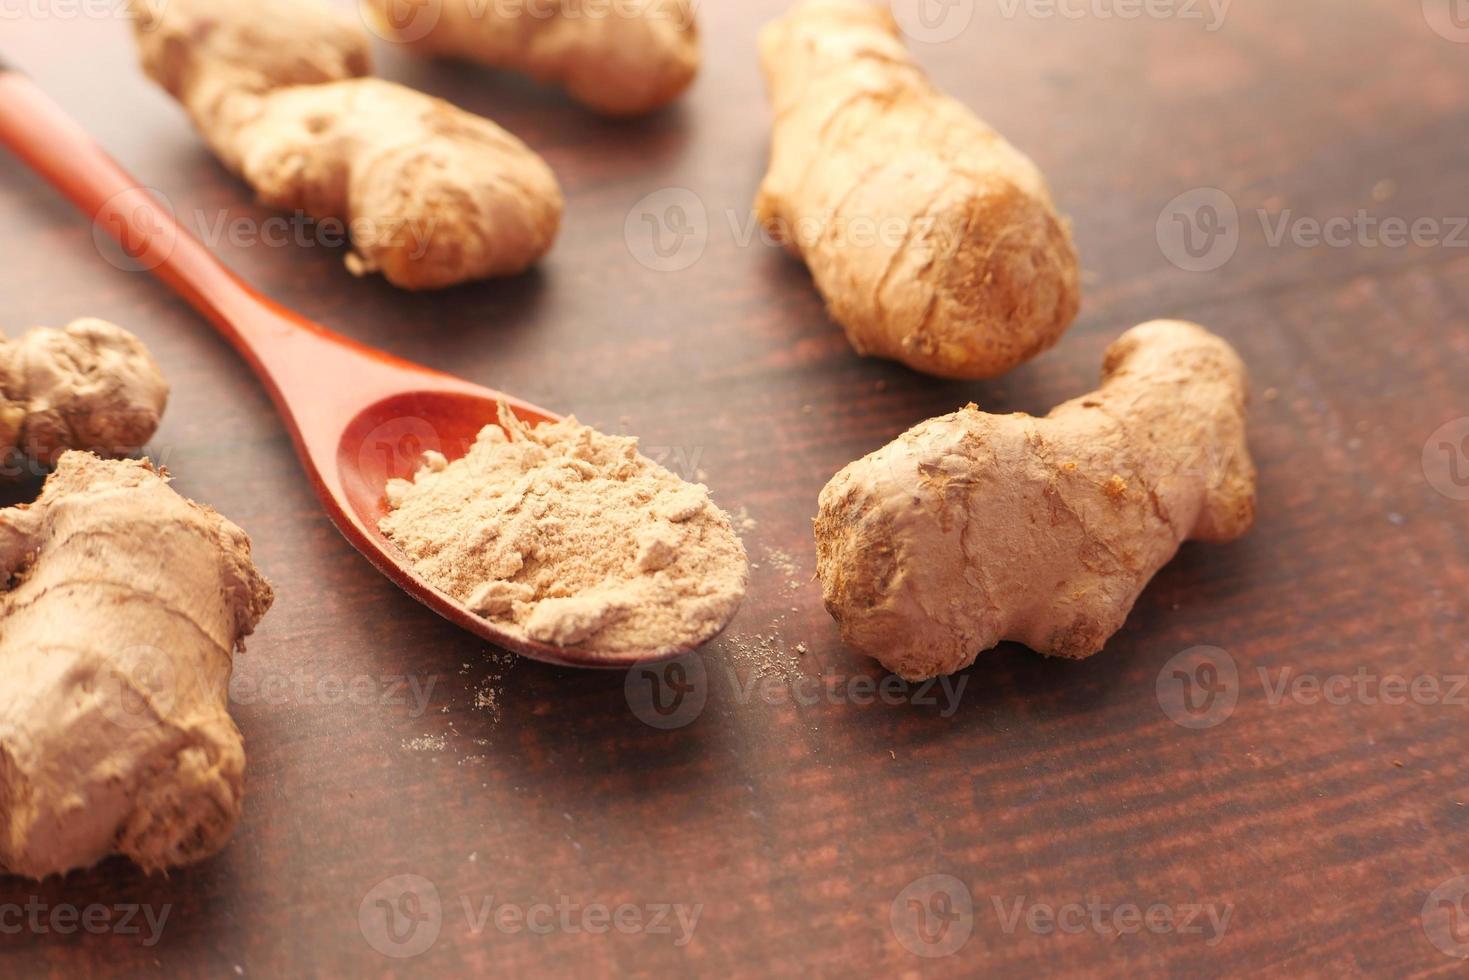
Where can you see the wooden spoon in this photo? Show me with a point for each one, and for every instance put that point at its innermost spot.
(358, 416)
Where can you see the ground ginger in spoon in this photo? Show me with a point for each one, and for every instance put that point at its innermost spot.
(572, 538)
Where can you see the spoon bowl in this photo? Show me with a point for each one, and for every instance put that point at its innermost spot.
(358, 416)
(386, 441)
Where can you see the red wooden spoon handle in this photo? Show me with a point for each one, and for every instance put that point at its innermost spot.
(43, 135)
(287, 351)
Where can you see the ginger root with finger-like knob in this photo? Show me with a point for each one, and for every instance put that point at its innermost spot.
(972, 529)
(431, 195)
(91, 385)
(123, 608)
(618, 57)
(933, 241)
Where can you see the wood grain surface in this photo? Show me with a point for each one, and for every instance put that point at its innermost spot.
(800, 816)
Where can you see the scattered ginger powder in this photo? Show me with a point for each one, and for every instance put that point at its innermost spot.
(572, 538)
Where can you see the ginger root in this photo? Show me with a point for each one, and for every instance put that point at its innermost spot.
(431, 195)
(618, 57)
(124, 606)
(972, 529)
(933, 241)
(90, 385)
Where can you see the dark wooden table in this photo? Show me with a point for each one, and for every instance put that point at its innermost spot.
(1062, 799)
